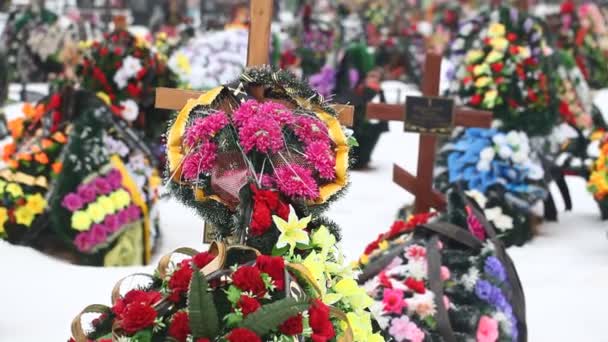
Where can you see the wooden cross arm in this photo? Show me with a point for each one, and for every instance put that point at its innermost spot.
(407, 181)
(463, 116)
(176, 99)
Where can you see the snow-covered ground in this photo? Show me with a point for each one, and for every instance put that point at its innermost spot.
(564, 270)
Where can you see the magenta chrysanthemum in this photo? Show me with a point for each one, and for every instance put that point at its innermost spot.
(201, 160)
(320, 155)
(247, 110)
(309, 129)
(296, 181)
(278, 112)
(261, 134)
(205, 128)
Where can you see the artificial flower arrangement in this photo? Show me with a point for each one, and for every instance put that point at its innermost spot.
(277, 274)
(124, 72)
(209, 59)
(598, 180)
(439, 277)
(504, 173)
(582, 32)
(500, 65)
(78, 183)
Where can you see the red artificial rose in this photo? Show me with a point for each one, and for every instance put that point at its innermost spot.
(475, 100)
(261, 219)
(133, 90)
(180, 281)
(118, 51)
(248, 278)
(135, 296)
(54, 102)
(511, 37)
(141, 73)
(415, 285)
(203, 259)
(136, 317)
(319, 321)
(532, 95)
(103, 51)
(514, 49)
(274, 267)
(497, 67)
(292, 326)
(242, 335)
(248, 305)
(179, 328)
(372, 246)
(530, 61)
(99, 75)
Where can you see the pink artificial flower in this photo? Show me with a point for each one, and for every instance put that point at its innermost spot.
(102, 186)
(246, 111)
(415, 252)
(98, 234)
(266, 181)
(87, 193)
(72, 202)
(320, 155)
(262, 134)
(296, 181)
(112, 223)
(444, 273)
(114, 178)
(475, 227)
(199, 161)
(393, 301)
(205, 128)
(124, 217)
(82, 242)
(310, 129)
(134, 212)
(278, 112)
(402, 329)
(487, 330)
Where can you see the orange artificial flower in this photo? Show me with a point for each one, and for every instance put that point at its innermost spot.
(8, 151)
(42, 158)
(36, 149)
(16, 128)
(24, 156)
(13, 164)
(33, 113)
(57, 167)
(60, 137)
(46, 143)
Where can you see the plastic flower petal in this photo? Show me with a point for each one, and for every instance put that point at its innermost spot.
(292, 231)
(36, 203)
(323, 238)
(353, 294)
(24, 216)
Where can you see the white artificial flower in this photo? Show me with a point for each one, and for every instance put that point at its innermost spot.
(130, 110)
(458, 44)
(519, 157)
(422, 304)
(501, 221)
(505, 152)
(466, 29)
(478, 197)
(121, 79)
(535, 171)
(130, 66)
(483, 165)
(593, 149)
(513, 138)
(499, 139)
(487, 248)
(470, 279)
(377, 310)
(487, 153)
(417, 269)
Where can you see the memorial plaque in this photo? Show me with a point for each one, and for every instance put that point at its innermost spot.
(428, 114)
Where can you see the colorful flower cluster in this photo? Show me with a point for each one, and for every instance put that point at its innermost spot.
(100, 209)
(598, 181)
(18, 209)
(39, 158)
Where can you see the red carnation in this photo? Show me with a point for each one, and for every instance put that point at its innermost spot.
(292, 326)
(180, 281)
(415, 285)
(135, 296)
(248, 278)
(372, 246)
(497, 67)
(511, 37)
(248, 305)
(261, 219)
(475, 100)
(274, 267)
(242, 335)
(179, 327)
(133, 90)
(137, 316)
(203, 259)
(322, 329)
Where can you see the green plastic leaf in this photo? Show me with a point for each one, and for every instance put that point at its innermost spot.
(233, 318)
(204, 321)
(233, 294)
(270, 316)
(142, 336)
(352, 142)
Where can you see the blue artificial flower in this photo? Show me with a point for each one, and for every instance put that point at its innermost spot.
(493, 267)
(483, 289)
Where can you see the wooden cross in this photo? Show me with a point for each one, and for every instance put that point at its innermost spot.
(421, 185)
(257, 55)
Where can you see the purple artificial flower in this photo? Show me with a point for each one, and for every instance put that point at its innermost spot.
(87, 193)
(72, 202)
(114, 178)
(262, 134)
(483, 290)
(124, 217)
(320, 155)
(199, 161)
(296, 181)
(324, 81)
(309, 129)
(493, 267)
(102, 186)
(112, 223)
(205, 128)
(353, 77)
(134, 212)
(98, 234)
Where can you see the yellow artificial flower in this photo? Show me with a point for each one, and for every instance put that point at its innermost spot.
(292, 230)
(524, 52)
(361, 324)
(324, 239)
(24, 216)
(481, 69)
(483, 81)
(121, 198)
(183, 63)
(350, 292)
(473, 56)
(489, 100)
(107, 204)
(96, 212)
(14, 189)
(499, 43)
(81, 221)
(3, 219)
(36, 203)
(494, 56)
(364, 259)
(85, 44)
(496, 30)
(315, 263)
(383, 245)
(104, 97)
